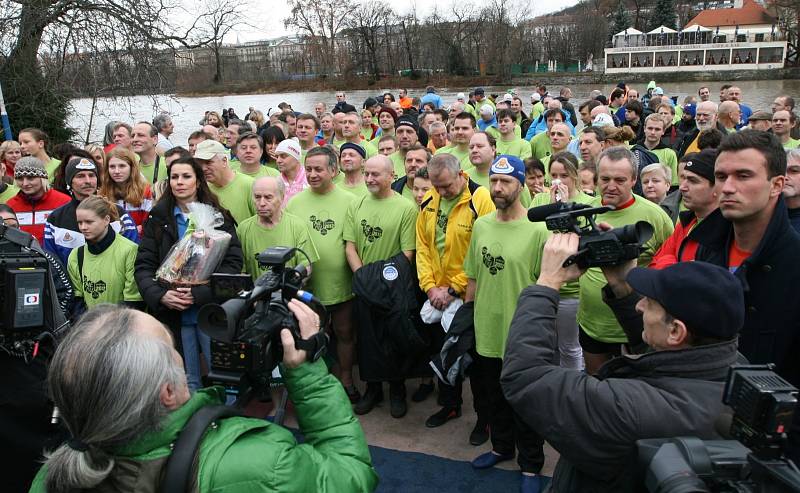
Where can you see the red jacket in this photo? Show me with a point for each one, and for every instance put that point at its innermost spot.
(678, 247)
(139, 214)
(33, 215)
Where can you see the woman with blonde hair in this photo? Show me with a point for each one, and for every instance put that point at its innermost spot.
(10, 152)
(618, 136)
(101, 271)
(126, 186)
(214, 119)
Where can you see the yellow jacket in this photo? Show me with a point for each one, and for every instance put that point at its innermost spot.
(448, 270)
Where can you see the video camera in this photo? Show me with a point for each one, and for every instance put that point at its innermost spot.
(26, 295)
(245, 330)
(763, 407)
(596, 248)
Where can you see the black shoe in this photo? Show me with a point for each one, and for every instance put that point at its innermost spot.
(422, 393)
(369, 400)
(353, 394)
(397, 399)
(444, 415)
(480, 434)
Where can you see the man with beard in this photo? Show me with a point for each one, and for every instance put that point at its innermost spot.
(705, 119)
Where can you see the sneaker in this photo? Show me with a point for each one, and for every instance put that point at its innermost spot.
(530, 484)
(444, 415)
(489, 459)
(353, 394)
(422, 393)
(369, 400)
(480, 434)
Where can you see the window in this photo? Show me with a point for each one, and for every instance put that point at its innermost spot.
(759, 37)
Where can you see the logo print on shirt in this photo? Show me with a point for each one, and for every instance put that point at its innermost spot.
(494, 264)
(94, 288)
(372, 233)
(322, 225)
(441, 221)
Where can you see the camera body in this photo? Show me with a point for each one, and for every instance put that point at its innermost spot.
(763, 407)
(597, 248)
(245, 330)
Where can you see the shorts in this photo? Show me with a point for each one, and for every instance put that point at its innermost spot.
(593, 346)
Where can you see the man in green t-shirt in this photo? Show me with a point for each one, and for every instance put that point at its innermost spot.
(653, 131)
(351, 177)
(462, 131)
(503, 258)
(600, 333)
(306, 130)
(782, 128)
(378, 227)
(144, 140)
(249, 150)
(323, 207)
(559, 140)
(416, 158)
(509, 142)
(232, 188)
(351, 132)
(540, 143)
(406, 133)
(270, 227)
(482, 151)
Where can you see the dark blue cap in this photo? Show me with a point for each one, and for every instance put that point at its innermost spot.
(349, 145)
(705, 297)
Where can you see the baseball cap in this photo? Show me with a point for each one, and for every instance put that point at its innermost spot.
(479, 91)
(486, 109)
(658, 91)
(461, 97)
(207, 149)
(678, 288)
(287, 146)
(761, 115)
(536, 97)
(689, 109)
(602, 120)
(506, 164)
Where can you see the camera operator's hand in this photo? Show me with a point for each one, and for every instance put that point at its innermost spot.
(557, 250)
(308, 321)
(616, 274)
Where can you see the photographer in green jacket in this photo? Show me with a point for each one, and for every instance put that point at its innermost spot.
(122, 393)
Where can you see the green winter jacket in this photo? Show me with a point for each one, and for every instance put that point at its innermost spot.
(246, 455)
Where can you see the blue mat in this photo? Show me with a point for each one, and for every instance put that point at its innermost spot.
(411, 472)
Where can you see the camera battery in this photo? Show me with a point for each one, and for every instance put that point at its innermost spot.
(24, 291)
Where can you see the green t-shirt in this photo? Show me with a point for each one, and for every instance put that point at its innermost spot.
(51, 168)
(540, 146)
(381, 228)
(369, 148)
(399, 164)
(442, 215)
(493, 131)
(791, 144)
(463, 156)
(108, 277)
(377, 140)
(503, 258)
(594, 316)
(290, 232)
(359, 190)
(331, 277)
(536, 110)
(517, 147)
(147, 169)
(237, 197)
(667, 157)
(483, 180)
(260, 173)
(408, 193)
(570, 289)
(9, 192)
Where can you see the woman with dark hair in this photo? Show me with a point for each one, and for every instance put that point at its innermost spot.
(272, 136)
(388, 98)
(167, 223)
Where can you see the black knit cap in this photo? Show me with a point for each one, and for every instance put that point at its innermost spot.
(701, 163)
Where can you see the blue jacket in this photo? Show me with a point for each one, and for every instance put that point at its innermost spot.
(61, 232)
(540, 125)
(483, 124)
(431, 97)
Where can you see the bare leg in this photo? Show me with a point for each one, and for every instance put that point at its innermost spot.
(345, 338)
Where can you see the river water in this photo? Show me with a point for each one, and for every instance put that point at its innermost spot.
(187, 111)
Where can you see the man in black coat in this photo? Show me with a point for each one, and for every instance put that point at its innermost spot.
(672, 387)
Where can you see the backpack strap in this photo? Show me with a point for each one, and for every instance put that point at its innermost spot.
(179, 465)
(472, 186)
(155, 171)
(80, 261)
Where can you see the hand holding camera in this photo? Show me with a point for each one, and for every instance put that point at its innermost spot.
(559, 248)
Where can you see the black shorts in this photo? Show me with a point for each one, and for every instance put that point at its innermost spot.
(592, 346)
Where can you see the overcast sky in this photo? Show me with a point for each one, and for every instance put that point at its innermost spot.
(268, 15)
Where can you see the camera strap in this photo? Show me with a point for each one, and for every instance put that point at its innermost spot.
(80, 261)
(179, 465)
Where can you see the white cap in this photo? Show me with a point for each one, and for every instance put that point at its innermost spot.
(487, 109)
(461, 96)
(536, 96)
(602, 120)
(290, 147)
(508, 97)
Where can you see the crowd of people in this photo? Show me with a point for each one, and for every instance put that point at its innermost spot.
(413, 215)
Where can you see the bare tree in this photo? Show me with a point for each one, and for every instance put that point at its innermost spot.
(367, 21)
(218, 19)
(320, 22)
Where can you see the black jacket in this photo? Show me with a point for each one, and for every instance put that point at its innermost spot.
(386, 312)
(771, 332)
(594, 422)
(159, 234)
(689, 137)
(565, 104)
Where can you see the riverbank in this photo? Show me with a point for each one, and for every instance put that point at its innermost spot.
(450, 81)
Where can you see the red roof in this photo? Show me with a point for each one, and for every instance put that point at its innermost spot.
(749, 14)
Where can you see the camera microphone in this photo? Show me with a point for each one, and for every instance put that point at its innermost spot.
(538, 214)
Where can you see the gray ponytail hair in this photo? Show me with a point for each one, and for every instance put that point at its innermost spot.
(105, 378)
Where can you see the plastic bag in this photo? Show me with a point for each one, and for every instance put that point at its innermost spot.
(193, 258)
